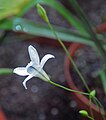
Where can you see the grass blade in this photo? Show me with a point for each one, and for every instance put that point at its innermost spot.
(40, 30)
(88, 27)
(103, 78)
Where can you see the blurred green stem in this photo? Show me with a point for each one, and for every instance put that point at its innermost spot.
(67, 89)
(67, 53)
(90, 101)
(6, 71)
(88, 27)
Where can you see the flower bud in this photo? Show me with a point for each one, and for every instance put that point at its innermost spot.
(92, 94)
(83, 113)
(42, 13)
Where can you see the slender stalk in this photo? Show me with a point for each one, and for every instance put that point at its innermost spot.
(91, 118)
(102, 108)
(88, 27)
(60, 86)
(65, 49)
(67, 89)
(43, 14)
(91, 108)
(77, 70)
(97, 105)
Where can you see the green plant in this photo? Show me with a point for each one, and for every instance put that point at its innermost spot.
(98, 45)
(18, 24)
(84, 33)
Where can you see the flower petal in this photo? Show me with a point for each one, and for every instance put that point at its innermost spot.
(45, 58)
(24, 82)
(21, 71)
(33, 55)
(43, 75)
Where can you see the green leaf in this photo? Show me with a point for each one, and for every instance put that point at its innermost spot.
(26, 7)
(26, 26)
(13, 7)
(80, 12)
(103, 78)
(88, 27)
(82, 25)
(29, 27)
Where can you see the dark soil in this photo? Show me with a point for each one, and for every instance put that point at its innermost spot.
(89, 64)
(41, 101)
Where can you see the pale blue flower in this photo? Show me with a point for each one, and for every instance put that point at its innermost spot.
(35, 67)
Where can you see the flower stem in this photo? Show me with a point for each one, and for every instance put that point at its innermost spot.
(91, 118)
(102, 108)
(68, 89)
(68, 54)
(63, 87)
(91, 107)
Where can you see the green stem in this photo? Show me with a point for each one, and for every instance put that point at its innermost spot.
(102, 109)
(77, 70)
(6, 71)
(60, 86)
(67, 53)
(68, 89)
(91, 108)
(88, 27)
(97, 105)
(91, 118)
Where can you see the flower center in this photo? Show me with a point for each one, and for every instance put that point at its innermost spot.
(31, 70)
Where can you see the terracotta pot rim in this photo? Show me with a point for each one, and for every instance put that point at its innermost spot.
(72, 49)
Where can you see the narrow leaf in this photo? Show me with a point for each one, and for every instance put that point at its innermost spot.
(103, 78)
(26, 26)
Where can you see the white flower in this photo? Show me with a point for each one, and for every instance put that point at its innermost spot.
(35, 67)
